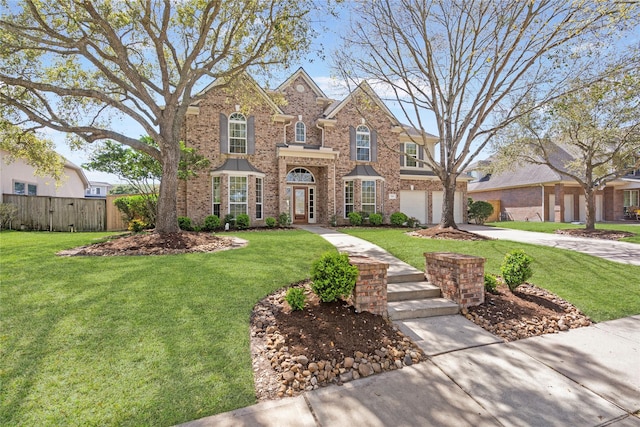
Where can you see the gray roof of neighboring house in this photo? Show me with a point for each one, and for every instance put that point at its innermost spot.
(237, 165)
(523, 175)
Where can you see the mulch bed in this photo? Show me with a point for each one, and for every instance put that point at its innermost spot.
(595, 234)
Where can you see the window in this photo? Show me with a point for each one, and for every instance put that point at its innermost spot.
(411, 151)
(301, 132)
(237, 134)
(258, 198)
(300, 175)
(23, 188)
(348, 198)
(631, 198)
(369, 197)
(237, 195)
(216, 196)
(98, 191)
(363, 143)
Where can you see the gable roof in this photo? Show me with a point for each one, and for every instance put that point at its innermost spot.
(300, 72)
(525, 174)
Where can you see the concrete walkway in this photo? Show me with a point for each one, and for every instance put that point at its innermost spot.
(623, 252)
(584, 377)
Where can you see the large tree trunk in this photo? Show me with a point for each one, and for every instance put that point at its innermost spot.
(590, 200)
(449, 186)
(167, 217)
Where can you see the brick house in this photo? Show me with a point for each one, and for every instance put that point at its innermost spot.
(295, 150)
(534, 192)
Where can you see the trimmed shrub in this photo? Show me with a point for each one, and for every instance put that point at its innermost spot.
(229, 219)
(516, 268)
(211, 223)
(184, 222)
(355, 218)
(398, 219)
(375, 219)
(284, 220)
(270, 221)
(333, 277)
(479, 211)
(142, 207)
(490, 283)
(136, 226)
(412, 222)
(242, 221)
(296, 298)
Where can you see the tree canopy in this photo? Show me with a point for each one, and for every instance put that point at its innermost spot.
(470, 64)
(81, 66)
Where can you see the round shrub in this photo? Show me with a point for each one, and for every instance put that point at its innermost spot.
(333, 277)
(398, 219)
(296, 298)
(375, 219)
(355, 218)
(284, 220)
(211, 222)
(516, 268)
(479, 211)
(270, 221)
(242, 221)
(184, 222)
(490, 283)
(229, 219)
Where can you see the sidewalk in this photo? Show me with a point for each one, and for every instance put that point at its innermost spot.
(584, 377)
(623, 252)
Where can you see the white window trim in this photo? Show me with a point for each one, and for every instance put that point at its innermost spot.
(375, 196)
(246, 188)
(353, 197)
(233, 121)
(304, 132)
(411, 156)
(213, 195)
(259, 200)
(368, 147)
(26, 187)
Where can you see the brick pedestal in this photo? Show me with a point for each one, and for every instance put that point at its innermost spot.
(460, 277)
(370, 292)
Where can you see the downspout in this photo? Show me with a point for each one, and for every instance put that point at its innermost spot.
(321, 133)
(285, 133)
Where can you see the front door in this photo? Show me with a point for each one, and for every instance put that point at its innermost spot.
(300, 204)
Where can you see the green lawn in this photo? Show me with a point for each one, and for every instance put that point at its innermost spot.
(551, 227)
(154, 340)
(602, 289)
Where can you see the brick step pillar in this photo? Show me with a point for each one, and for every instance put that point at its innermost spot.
(370, 292)
(460, 277)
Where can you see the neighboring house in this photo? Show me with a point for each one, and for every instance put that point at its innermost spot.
(538, 193)
(98, 189)
(18, 177)
(310, 156)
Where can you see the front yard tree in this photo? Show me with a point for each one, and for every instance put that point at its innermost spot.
(469, 63)
(598, 126)
(81, 66)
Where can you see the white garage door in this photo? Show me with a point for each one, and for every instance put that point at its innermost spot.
(438, 198)
(414, 204)
(582, 208)
(568, 208)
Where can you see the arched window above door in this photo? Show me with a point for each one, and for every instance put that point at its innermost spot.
(300, 175)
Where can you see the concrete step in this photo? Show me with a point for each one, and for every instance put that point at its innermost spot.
(416, 276)
(400, 310)
(405, 291)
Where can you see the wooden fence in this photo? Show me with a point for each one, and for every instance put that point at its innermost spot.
(114, 216)
(57, 213)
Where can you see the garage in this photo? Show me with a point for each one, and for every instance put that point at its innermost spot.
(414, 205)
(438, 199)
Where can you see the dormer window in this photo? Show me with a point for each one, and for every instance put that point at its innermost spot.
(301, 132)
(237, 133)
(363, 143)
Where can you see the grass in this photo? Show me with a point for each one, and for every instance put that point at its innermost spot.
(551, 227)
(602, 289)
(135, 341)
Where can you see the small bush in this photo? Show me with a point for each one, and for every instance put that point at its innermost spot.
(8, 214)
(516, 268)
(136, 225)
(479, 211)
(355, 218)
(296, 298)
(490, 283)
(333, 221)
(270, 221)
(375, 219)
(184, 222)
(412, 222)
(242, 221)
(284, 220)
(398, 219)
(333, 277)
(142, 207)
(211, 223)
(230, 219)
